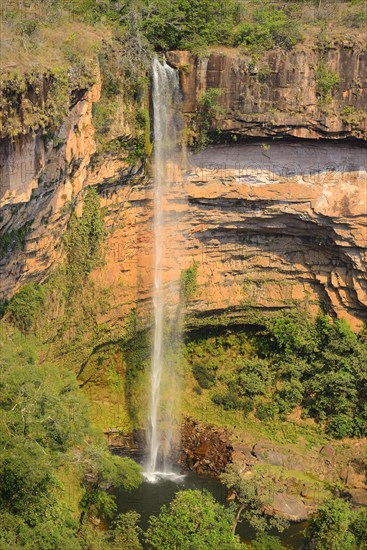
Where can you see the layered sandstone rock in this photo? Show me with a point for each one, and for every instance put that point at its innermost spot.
(42, 180)
(269, 227)
(277, 94)
(280, 228)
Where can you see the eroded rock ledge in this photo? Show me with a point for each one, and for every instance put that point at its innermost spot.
(269, 229)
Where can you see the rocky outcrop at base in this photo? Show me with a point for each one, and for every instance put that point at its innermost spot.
(206, 449)
(295, 482)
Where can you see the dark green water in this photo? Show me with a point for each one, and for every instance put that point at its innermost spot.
(149, 497)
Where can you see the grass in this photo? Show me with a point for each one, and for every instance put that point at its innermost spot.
(54, 45)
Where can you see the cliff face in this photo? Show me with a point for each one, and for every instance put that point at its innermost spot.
(282, 227)
(42, 179)
(269, 227)
(277, 94)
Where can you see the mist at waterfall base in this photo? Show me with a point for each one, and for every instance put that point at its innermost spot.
(163, 422)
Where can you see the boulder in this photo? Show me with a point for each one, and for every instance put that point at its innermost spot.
(290, 507)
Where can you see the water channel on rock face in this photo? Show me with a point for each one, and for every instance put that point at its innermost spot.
(148, 499)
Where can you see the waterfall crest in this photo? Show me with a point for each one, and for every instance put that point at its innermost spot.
(166, 99)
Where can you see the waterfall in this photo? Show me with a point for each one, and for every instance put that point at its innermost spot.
(166, 100)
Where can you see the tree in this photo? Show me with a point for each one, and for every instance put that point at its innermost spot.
(125, 533)
(331, 527)
(251, 498)
(359, 529)
(25, 305)
(100, 471)
(266, 542)
(193, 521)
(45, 426)
(181, 24)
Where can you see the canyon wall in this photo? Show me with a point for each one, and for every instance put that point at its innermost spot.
(269, 226)
(276, 94)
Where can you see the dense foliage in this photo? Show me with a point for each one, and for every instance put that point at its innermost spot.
(339, 527)
(121, 38)
(46, 439)
(84, 238)
(193, 521)
(318, 366)
(45, 432)
(270, 27)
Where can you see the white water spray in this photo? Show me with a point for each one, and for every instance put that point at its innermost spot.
(166, 102)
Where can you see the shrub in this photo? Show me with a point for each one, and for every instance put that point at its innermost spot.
(205, 378)
(359, 19)
(253, 377)
(326, 81)
(24, 307)
(247, 406)
(227, 401)
(289, 396)
(331, 527)
(193, 520)
(209, 110)
(266, 542)
(84, 239)
(340, 426)
(198, 390)
(350, 115)
(266, 411)
(271, 27)
(14, 240)
(189, 281)
(291, 336)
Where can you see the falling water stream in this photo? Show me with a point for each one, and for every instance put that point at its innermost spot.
(166, 100)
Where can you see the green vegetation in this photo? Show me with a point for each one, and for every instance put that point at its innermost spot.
(53, 342)
(126, 533)
(65, 311)
(25, 306)
(82, 242)
(251, 500)
(337, 526)
(267, 542)
(352, 116)
(208, 112)
(189, 25)
(292, 362)
(84, 239)
(193, 521)
(270, 27)
(46, 430)
(120, 40)
(327, 82)
(24, 106)
(14, 240)
(189, 281)
(204, 376)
